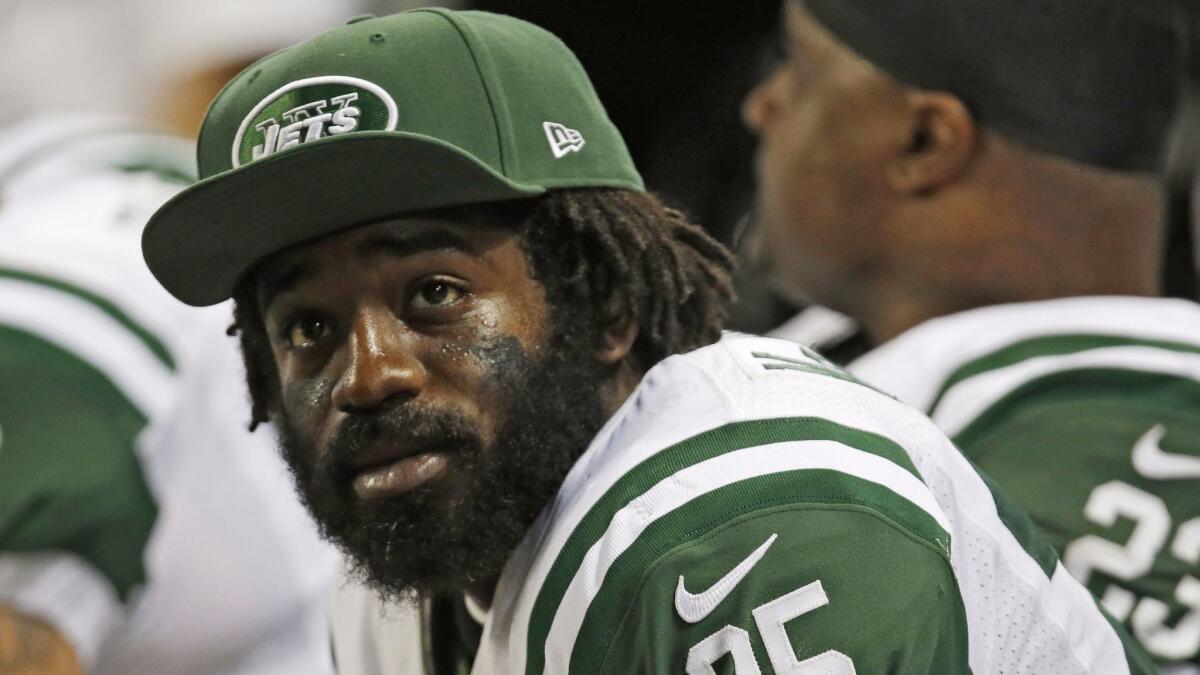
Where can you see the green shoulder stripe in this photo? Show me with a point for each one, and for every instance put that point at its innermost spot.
(821, 367)
(70, 478)
(705, 446)
(867, 589)
(165, 172)
(1049, 345)
(148, 338)
(793, 491)
(1083, 389)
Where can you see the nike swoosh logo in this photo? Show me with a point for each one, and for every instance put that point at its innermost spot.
(693, 608)
(1150, 461)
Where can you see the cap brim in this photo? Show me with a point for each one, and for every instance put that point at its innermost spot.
(201, 241)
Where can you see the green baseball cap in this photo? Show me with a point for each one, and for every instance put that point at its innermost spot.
(414, 111)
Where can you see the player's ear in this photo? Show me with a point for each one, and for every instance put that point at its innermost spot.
(617, 328)
(616, 340)
(942, 138)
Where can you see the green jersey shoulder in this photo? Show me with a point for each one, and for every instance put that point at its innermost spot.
(1085, 411)
(753, 509)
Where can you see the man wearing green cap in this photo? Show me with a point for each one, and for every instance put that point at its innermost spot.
(497, 371)
(975, 182)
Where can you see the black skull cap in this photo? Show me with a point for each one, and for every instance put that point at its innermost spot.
(1095, 81)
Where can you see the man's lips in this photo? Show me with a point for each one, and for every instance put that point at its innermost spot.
(400, 476)
(385, 451)
(385, 469)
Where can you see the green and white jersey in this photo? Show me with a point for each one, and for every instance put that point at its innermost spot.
(137, 514)
(752, 509)
(1087, 411)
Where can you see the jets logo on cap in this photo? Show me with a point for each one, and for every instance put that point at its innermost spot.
(562, 139)
(310, 109)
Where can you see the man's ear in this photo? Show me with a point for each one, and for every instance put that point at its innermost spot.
(617, 341)
(942, 140)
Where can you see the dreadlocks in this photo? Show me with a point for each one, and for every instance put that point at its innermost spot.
(603, 256)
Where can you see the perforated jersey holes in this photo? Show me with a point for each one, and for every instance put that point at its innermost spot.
(377, 37)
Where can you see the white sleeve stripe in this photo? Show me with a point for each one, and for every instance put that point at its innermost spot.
(967, 400)
(1100, 642)
(694, 481)
(1093, 645)
(67, 593)
(86, 331)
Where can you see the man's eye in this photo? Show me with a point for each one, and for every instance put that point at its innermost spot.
(436, 294)
(306, 332)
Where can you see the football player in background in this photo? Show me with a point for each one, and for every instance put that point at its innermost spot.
(143, 530)
(141, 525)
(497, 371)
(976, 182)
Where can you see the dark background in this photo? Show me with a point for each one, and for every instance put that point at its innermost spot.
(673, 75)
(1181, 274)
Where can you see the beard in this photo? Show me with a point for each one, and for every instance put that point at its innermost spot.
(456, 531)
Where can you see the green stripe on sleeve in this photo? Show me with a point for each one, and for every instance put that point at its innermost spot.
(70, 479)
(891, 602)
(728, 438)
(148, 338)
(1049, 345)
(817, 489)
(1157, 393)
(820, 367)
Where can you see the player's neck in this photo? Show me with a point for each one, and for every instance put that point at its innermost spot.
(627, 377)
(977, 250)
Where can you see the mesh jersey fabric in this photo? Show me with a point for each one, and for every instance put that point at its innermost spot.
(1085, 410)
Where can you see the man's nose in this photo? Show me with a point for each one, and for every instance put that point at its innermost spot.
(382, 362)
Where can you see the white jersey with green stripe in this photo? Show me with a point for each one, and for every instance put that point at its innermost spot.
(1087, 411)
(137, 514)
(753, 509)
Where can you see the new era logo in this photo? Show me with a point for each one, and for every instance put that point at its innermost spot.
(563, 140)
